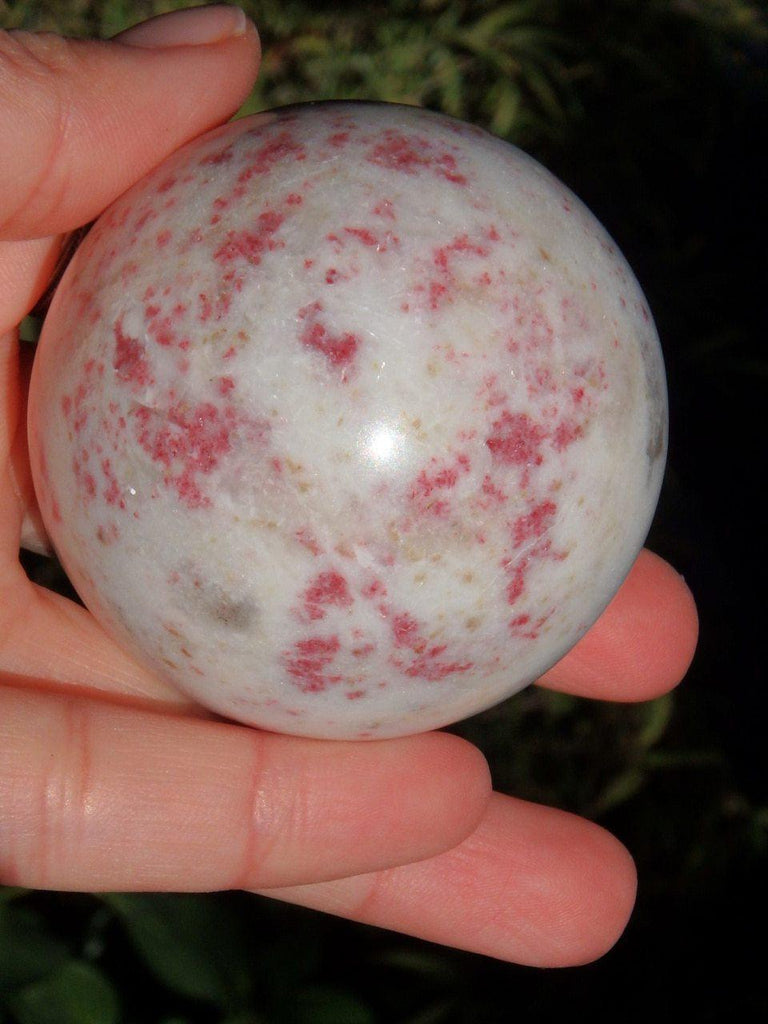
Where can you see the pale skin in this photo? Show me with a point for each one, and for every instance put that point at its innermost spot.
(108, 779)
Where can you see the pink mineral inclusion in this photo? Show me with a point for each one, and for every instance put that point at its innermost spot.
(348, 420)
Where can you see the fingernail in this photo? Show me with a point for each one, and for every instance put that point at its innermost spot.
(195, 26)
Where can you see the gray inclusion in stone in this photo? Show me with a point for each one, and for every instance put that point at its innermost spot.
(656, 399)
(212, 600)
(657, 432)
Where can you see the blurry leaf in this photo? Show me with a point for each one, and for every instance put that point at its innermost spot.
(438, 1013)
(196, 945)
(328, 1006)
(657, 717)
(674, 759)
(505, 100)
(449, 77)
(619, 790)
(116, 16)
(559, 705)
(76, 993)
(758, 830)
(29, 329)
(486, 29)
(28, 951)
(10, 892)
(247, 1017)
(418, 960)
(542, 88)
(307, 46)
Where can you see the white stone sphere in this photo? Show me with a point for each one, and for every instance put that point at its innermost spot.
(348, 420)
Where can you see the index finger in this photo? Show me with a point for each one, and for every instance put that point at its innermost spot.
(643, 643)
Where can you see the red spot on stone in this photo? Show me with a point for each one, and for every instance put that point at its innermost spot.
(305, 537)
(428, 663)
(162, 331)
(516, 585)
(225, 386)
(339, 349)
(493, 492)
(543, 381)
(82, 391)
(440, 287)
(222, 156)
(534, 524)
(460, 244)
(207, 308)
(250, 245)
(385, 209)
(405, 630)
(129, 360)
(307, 663)
(374, 589)
(411, 154)
(515, 440)
(327, 589)
(190, 442)
(148, 215)
(273, 152)
(565, 434)
(524, 628)
(533, 329)
(427, 490)
(363, 235)
(437, 292)
(112, 493)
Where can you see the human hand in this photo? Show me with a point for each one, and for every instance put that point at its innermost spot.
(110, 780)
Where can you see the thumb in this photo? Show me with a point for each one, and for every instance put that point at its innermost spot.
(83, 119)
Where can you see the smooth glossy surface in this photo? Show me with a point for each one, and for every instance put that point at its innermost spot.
(349, 420)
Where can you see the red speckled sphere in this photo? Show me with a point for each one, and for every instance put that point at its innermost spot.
(348, 420)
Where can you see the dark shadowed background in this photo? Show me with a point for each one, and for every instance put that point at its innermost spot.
(656, 114)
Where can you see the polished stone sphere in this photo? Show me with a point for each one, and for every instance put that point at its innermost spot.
(348, 420)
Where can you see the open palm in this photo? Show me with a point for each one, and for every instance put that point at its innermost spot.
(110, 780)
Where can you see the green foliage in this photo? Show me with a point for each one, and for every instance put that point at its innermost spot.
(74, 993)
(28, 950)
(197, 948)
(41, 982)
(500, 65)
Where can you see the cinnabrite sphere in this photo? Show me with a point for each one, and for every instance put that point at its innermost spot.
(348, 420)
